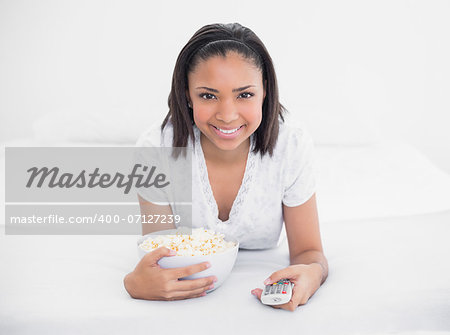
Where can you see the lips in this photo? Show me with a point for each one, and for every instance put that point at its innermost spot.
(228, 130)
(228, 133)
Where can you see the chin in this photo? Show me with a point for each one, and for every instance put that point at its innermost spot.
(228, 146)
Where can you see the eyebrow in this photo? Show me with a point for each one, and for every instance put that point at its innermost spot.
(216, 91)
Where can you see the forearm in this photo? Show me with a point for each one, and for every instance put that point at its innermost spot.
(312, 257)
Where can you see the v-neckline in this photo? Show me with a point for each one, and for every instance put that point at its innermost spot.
(206, 186)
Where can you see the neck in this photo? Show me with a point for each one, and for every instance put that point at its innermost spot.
(212, 153)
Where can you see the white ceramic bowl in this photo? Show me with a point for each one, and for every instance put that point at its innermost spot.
(221, 263)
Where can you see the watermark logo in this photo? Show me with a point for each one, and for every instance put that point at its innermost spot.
(80, 190)
(53, 178)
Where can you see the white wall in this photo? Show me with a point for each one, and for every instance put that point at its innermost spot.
(350, 66)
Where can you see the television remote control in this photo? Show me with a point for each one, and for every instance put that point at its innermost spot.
(277, 293)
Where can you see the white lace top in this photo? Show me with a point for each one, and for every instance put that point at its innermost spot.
(256, 218)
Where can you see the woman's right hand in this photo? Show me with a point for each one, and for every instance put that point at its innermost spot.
(151, 282)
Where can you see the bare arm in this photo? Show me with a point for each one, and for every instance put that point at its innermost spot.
(309, 267)
(302, 229)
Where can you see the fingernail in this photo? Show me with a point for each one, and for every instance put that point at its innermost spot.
(267, 281)
(172, 252)
(215, 279)
(211, 286)
(208, 264)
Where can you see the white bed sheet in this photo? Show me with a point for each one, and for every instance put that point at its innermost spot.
(386, 276)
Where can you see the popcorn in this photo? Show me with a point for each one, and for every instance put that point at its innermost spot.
(200, 242)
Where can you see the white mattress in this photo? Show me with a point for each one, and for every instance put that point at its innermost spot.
(386, 276)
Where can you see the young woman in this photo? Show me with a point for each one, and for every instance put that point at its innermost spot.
(252, 172)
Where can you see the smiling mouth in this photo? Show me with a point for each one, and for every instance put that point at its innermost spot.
(228, 131)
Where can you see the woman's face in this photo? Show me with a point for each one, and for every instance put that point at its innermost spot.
(226, 94)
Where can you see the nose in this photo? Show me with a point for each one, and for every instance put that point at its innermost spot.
(227, 112)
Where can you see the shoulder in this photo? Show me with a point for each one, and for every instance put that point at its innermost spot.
(155, 137)
(294, 152)
(292, 138)
(297, 163)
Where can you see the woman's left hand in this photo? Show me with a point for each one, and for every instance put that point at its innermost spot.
(307, 278)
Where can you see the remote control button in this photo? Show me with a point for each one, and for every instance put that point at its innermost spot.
(284, 292)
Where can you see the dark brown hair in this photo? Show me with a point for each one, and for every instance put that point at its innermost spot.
(216, 40)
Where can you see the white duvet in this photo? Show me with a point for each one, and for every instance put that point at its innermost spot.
(387, 276)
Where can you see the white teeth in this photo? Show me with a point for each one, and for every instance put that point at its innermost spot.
(228, 131)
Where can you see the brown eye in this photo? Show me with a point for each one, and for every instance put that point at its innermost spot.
(246, 95)
(207, 96)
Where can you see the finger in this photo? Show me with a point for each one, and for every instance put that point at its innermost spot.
(193, 284)
(257, 292)
(199, 295)
(288, 306)
(294, 303)
(189, 294)
(285, 273)
(152, 257)
(185, 271)
(195, 296)
(297, 298)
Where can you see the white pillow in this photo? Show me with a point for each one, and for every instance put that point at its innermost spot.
(383, 180)
(97, 127)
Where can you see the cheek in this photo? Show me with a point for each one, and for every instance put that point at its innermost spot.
(202, 114)
(253, 112)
